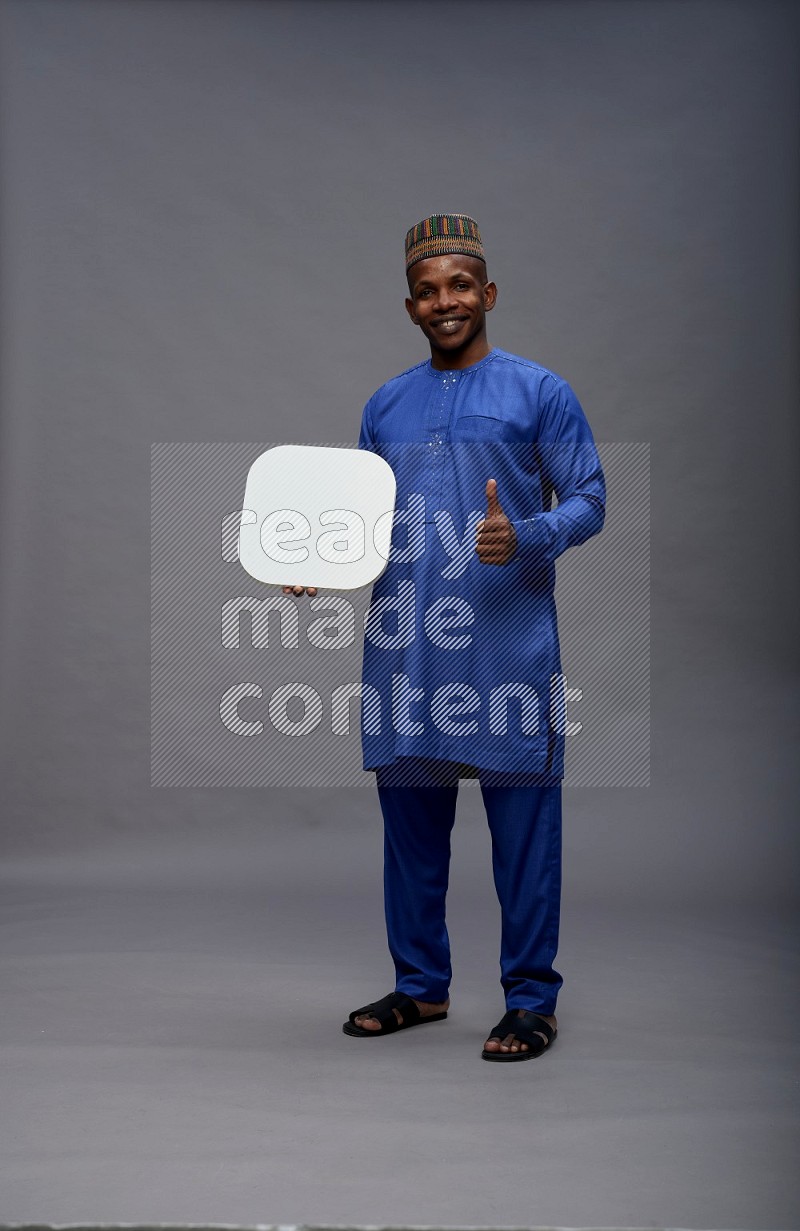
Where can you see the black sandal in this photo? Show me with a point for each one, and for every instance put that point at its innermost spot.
(524, 1028)
(382, 1010)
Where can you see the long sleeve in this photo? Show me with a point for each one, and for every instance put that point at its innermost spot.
(366, 438)
(570, 467)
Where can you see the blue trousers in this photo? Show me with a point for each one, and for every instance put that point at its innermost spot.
(418, 801)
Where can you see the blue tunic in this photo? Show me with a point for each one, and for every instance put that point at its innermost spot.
(461, 659)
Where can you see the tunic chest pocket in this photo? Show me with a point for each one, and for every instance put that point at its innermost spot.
(481, 427)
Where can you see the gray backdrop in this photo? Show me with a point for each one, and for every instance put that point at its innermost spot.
(203, 208)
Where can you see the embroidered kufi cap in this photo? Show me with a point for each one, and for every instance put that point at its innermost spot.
(442, 234)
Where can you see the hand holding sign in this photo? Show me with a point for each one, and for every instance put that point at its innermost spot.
(495, 538)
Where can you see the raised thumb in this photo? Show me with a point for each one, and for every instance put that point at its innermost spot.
(492, 503)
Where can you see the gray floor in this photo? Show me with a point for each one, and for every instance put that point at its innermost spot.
(172, 1047)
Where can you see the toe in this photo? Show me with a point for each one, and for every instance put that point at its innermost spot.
(369, 1022)
(492, 1044)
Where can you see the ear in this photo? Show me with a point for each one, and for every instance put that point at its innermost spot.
(410, 311)
(489, 296)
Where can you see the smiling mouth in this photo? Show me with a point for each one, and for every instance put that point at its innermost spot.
(450, 324)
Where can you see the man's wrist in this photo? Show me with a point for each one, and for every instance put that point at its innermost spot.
(532, 539)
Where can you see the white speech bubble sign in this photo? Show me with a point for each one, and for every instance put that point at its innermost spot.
(317, 516)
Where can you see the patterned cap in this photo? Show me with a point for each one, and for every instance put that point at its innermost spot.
(442, 234)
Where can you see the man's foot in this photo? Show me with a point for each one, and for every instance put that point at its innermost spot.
(426, 1010)
(511, 1042)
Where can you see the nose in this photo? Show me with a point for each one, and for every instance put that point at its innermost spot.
(445, 299)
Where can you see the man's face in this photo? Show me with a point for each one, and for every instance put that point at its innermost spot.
(449, 299)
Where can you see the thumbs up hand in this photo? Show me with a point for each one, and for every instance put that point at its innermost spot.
(495, 539)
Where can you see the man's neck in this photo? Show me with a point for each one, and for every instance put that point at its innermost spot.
(453, 361)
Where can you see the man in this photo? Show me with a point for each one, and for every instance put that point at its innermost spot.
(461, 637)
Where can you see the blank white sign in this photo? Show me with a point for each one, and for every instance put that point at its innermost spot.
(316, 516)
